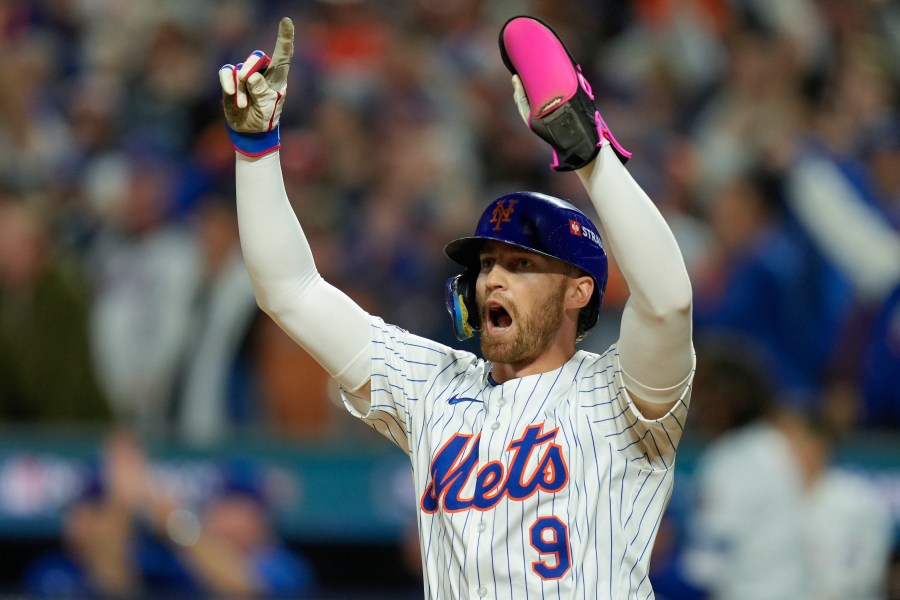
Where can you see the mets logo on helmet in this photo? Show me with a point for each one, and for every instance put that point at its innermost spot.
(502, 213)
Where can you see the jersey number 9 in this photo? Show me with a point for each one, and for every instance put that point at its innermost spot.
(549, 535)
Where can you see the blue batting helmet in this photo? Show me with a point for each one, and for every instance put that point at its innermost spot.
(535, 222)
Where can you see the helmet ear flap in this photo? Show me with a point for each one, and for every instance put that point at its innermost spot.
(462, 305)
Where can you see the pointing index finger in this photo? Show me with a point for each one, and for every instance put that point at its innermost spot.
(284, 45)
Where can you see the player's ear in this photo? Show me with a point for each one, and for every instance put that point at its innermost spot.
(580, 290)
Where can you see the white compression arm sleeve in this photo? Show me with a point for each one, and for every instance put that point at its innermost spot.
(319, 317)
(655, 347)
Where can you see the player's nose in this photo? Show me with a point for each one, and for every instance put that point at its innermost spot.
(496, 278)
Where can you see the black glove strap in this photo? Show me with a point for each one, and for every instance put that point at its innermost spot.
(572, 132)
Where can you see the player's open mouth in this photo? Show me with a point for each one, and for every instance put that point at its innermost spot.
(498, 318)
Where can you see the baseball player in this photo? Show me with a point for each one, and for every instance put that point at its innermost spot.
(540, 470)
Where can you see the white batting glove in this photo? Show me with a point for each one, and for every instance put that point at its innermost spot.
(253, 95)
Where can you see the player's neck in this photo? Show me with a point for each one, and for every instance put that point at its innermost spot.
(551, 359)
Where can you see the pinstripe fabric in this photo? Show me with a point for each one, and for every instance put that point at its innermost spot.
(547, 486)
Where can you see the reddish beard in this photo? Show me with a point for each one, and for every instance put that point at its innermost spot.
(534, 331)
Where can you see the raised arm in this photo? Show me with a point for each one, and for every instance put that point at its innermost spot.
(554, 99)
(320, 318)
(655, 347)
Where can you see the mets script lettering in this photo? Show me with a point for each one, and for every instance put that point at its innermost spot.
(455, 463)
(502, 213)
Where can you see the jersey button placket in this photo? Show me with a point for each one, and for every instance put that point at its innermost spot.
(500, 404)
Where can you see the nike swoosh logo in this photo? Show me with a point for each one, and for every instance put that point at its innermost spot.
(457, 400)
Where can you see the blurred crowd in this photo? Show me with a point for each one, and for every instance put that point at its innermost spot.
(131, 534)
(770, 512)
(767, 132)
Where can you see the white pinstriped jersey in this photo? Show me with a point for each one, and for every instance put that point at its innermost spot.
(547, 486)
